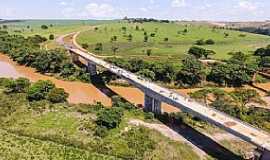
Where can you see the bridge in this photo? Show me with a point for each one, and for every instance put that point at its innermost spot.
(155, 95)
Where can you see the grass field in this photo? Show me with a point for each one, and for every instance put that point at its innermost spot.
(56, 27)
(178, 42)
(40, 130)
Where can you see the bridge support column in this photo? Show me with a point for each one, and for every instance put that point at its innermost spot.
(265, 155)
(74, 57)
(152, 105)
(92, 68)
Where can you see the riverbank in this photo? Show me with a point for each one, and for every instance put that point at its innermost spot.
(79, 92)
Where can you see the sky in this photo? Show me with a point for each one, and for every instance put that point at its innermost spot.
(215, 10)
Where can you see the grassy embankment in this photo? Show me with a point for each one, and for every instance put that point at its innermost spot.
(43, 130)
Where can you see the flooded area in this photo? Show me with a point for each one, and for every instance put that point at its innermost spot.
(78, 92)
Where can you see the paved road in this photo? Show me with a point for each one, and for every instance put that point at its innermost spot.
(236, 127)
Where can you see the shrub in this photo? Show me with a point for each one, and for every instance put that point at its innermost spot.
(44, 27)
(85, 46)
(19, 85)
(101, 131)
(109, 117)
(210, 42)
(39, 90)
(149, 52)
(51, 37)
(200, 42)
(57, 95)
(149, 115)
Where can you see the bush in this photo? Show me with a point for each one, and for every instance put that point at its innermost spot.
(210, 42)
(85, 46)
(19, 85)
(44, 27)
(39, 90)
(149, 116)
(57, 95)
(200, 42)
(109, 117)
(51, 37)
(101, 131)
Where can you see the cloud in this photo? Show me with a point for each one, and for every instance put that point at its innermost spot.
(101, 10)
(247, 5)
(63, 3)
(178, 3)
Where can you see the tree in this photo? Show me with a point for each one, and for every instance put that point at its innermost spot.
(166, 39)
(210, 42)
(146, 38)
(113, 38)
(208, 53)
(137, 28)
(51, 37)
(57, 95)
(114, 49)
(19, 85)
(85, 46)
(198, 52)
(200, 42)
(109, 117)
(146, 73)
(130, 37)
(245, 96)
(44, 26)
(236, 72)
(39, 90)
(152, 34)
(99, 47)
(149, 52)
(5, 27)
(192, 72)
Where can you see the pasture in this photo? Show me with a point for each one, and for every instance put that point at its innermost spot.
(166, 41)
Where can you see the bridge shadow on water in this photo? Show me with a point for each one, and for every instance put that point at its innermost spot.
(99, 83)
(203, 142)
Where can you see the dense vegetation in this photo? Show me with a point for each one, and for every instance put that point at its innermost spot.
(52, 131)
(236, 71)
(239, 103)
(26, 51)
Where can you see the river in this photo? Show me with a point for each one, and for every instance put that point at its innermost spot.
(78, 92)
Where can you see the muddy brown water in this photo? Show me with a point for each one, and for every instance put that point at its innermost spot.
(78, 92)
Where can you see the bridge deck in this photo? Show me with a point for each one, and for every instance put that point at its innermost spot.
(243, 130)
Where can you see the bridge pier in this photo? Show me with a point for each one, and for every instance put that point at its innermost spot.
(92, 68)
(152, 105)
(265, 155)
(74, 57)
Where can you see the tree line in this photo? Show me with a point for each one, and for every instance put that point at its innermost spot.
(28, 52)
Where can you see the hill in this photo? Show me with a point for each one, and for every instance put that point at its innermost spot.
(166, 40)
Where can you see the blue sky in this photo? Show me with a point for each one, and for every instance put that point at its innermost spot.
(218, 10)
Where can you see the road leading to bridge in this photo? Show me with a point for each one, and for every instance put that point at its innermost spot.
(236, 127)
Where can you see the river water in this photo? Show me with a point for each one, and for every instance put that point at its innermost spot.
(78, 92)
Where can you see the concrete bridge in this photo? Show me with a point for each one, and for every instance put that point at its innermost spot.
(155, 95)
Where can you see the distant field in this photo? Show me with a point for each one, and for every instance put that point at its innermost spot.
(56, 27)
(178, 42)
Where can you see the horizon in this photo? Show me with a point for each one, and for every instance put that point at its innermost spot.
(186, 10)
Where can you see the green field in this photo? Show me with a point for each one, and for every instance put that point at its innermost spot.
(43, 130)
(56, 27)
(178, 42)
